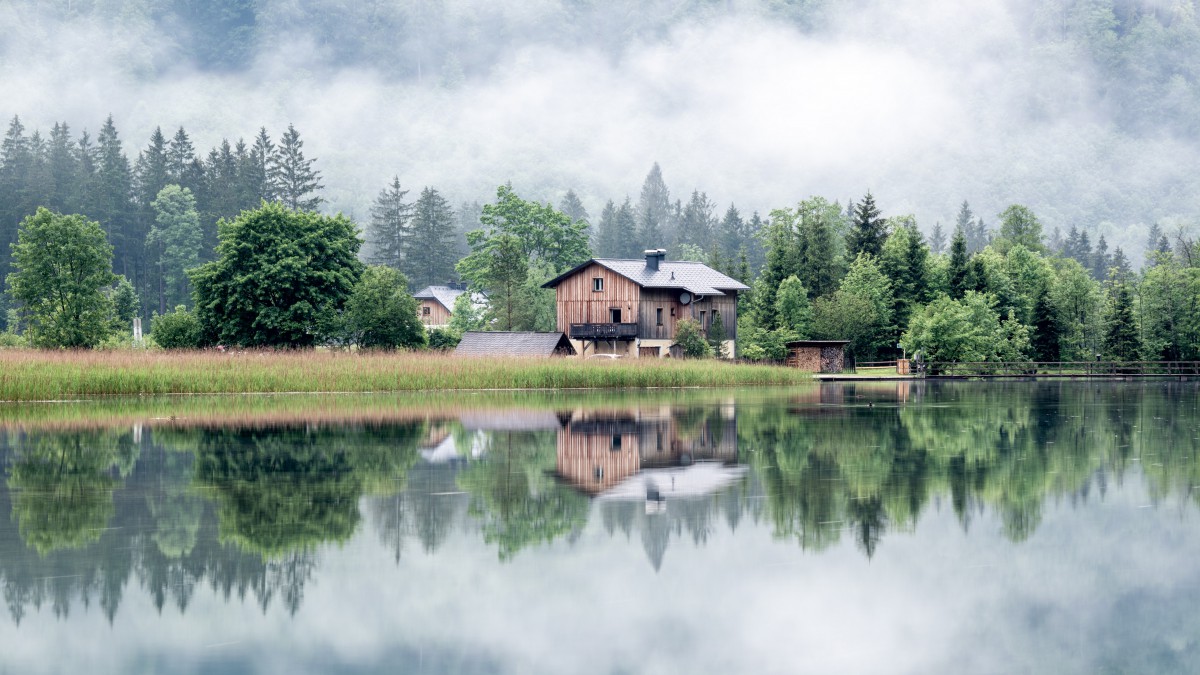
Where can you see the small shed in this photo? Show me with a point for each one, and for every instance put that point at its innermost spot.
(510, 344)
(819, 356)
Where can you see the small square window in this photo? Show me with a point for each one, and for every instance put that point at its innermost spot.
(672, 311)
(598, 284)
(425, 311)
(616, 442)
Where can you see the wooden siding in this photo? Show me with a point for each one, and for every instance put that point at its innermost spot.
(438, 315)
(591, 464)
(667, 300)
(578, 303)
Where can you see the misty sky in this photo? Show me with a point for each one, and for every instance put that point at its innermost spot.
(923, 102)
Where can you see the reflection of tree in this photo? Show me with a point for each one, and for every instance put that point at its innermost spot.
(63, 487)
(514, 494)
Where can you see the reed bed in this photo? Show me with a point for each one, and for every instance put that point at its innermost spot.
(270, 410)
(32, 375)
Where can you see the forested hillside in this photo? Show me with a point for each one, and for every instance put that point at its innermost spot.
(1080, 109)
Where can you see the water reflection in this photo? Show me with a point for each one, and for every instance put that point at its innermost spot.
(250, 510)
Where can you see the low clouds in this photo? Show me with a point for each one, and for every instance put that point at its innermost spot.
(920, 104)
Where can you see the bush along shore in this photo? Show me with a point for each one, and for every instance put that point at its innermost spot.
(32, 375)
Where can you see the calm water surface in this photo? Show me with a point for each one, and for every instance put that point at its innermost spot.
(983, 528)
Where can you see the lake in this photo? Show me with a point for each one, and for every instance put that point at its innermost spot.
(842, 528)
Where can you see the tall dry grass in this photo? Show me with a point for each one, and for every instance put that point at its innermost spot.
(32, 375)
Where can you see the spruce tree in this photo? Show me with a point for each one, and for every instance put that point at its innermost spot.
(1100, 261)
(573, 207)
(867, 231)
(64, 170)
(819, 267)
(959, 266)
(390, 229)
(626, 229)
(965, 223)
(182, 167)
(653, 210)
(696, 226)
(606, 244)
(937, 240)
(292, 177)
(111, 201)
(732, 232)
(432, 249)
(1047, 330)
(254, 174)
(151, 171)
(1120, 331)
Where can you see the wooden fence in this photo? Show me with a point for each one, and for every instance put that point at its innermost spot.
(1082, 369)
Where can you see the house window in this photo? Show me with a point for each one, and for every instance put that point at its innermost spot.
(598, 284)
(616, 442)
(425, 311)
(614, 315)
(703, 320)
(672, 311)
(658, 316)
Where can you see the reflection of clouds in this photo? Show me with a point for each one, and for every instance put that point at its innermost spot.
(935, 601)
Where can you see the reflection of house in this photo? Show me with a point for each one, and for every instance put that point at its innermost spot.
(437, 304)
(632, 307)
(680, 452)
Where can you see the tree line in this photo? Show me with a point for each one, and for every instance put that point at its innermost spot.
(213, 236)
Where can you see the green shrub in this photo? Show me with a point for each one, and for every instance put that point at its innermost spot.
(691, 340)
(179, 329)
(443, 338)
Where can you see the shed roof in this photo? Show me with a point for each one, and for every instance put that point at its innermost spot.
(817, 343)
(500, 343)
(696, 278)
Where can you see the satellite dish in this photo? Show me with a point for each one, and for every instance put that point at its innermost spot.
(685, 298)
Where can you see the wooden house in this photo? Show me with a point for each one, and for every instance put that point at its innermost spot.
(632, 307)
(437, 304)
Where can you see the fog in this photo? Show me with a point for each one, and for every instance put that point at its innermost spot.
(922, 102)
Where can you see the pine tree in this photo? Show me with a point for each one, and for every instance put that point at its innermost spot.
(696, 227)
(111, 202)
(1101, 260)
(64, 170)
(626, 229)
(1047, 331)
(959, 265)
(432, 248)
(732, 234)
(867, 231)
(573, 207)
(606, 243)
(254, 174)
(654, 211)
(390, 229)
(182, 167)
(937, 240)
(292, 177)
(1120, 331)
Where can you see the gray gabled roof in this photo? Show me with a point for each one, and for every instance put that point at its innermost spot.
(498, 343)
(443, 294)
(696, 278)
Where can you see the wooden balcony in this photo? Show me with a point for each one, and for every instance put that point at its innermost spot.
(603, 331)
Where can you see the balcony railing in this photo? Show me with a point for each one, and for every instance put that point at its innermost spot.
(603, 331)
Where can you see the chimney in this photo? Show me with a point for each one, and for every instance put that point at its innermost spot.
(653, 257)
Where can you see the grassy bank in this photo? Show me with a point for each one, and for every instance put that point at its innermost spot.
(270, 410)
(29, 375)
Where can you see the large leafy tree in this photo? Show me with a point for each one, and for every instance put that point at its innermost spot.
(542, 231)
(63, 267)
(279, 280)
(381, 314)
(1019, 226)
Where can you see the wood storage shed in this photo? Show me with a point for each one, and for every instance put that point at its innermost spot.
(819, 356)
